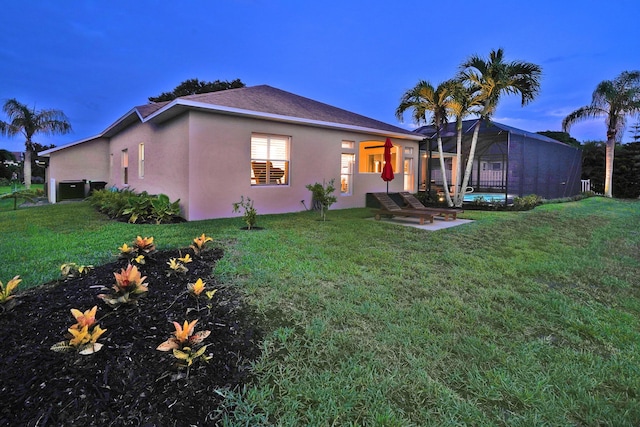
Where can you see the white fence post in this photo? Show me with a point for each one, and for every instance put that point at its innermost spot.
(586, 185)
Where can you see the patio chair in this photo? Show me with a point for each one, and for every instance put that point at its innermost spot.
(447, 213)
(389, 207)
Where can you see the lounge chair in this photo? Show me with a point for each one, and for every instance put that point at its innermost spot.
(447, 213)
(389, 207)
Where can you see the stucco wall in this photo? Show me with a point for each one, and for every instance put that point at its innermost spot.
(220, 165)
(85, 161)
(165, 163)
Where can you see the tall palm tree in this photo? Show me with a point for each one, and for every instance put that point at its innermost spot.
(429, 105)
(613, 100)
(29, 122)
(461, 103)
(490, 79)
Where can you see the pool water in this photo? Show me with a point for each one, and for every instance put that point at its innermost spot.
(488, 197)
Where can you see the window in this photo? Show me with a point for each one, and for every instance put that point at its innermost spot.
(269, 159)
(124, 159)
(409, 175)
(372, 157)
(141, 160)
(348, 144)
(346, 173)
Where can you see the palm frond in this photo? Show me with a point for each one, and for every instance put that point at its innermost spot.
(581, 114)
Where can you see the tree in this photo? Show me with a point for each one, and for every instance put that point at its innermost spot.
(613, 100)
(429, 105)
(561, 136)
(30, 122)
(635, 131)
(195, 86)
(432, 105)
(488, 80)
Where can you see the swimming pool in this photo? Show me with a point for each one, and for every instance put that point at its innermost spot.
(487, 197)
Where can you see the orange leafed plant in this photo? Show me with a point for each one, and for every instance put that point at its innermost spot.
(184, 336)
(196, 288)
(144, 244)
(199, 243)
(128, 287)
(88, 318)
(83, 335)
(130, 280)
(184, 344)
(7, 291)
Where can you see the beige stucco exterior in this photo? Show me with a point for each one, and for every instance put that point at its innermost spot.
(204, 159)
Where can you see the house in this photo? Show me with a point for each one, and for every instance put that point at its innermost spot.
(260, 142)
(508, 160)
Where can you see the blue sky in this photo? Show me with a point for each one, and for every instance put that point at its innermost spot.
(95, 60)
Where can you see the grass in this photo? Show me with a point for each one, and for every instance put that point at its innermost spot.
(517, 319)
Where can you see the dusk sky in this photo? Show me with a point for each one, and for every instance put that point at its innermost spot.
(95, 60)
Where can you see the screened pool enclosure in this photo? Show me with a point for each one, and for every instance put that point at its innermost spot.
(508, 161)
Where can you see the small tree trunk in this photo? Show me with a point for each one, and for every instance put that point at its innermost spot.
(27, 168)
(467, 171)
(608, 170)
(445, 184)
(457, 200)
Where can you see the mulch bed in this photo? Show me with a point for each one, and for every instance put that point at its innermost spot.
(128, 382)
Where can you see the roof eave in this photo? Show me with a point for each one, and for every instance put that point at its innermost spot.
(180, 106)
(46, 153)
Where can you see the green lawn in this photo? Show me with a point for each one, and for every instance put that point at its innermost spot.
(517, 319)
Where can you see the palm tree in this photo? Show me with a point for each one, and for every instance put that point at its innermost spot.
(489, 80)
(461, 103)
(29, 122)
(430, 105)
(613, 100)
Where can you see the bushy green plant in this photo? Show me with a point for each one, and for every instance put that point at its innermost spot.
(135, 207)
(71, 269)
(527, 202)
(323, 197)
(138, 206)
(163, 210)
(250, 215)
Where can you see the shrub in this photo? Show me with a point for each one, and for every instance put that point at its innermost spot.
(250, 215)
(127, 205)
(527, 202)
(322, 196)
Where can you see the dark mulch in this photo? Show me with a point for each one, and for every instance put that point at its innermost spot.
(128, 382)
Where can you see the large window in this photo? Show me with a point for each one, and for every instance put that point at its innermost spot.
(269, 159)
(372, 157)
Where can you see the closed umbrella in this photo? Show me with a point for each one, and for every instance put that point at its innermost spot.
(387, 170)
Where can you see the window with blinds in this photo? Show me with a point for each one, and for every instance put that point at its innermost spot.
(269, 159)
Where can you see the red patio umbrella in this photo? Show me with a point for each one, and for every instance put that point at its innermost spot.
(387, 170)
